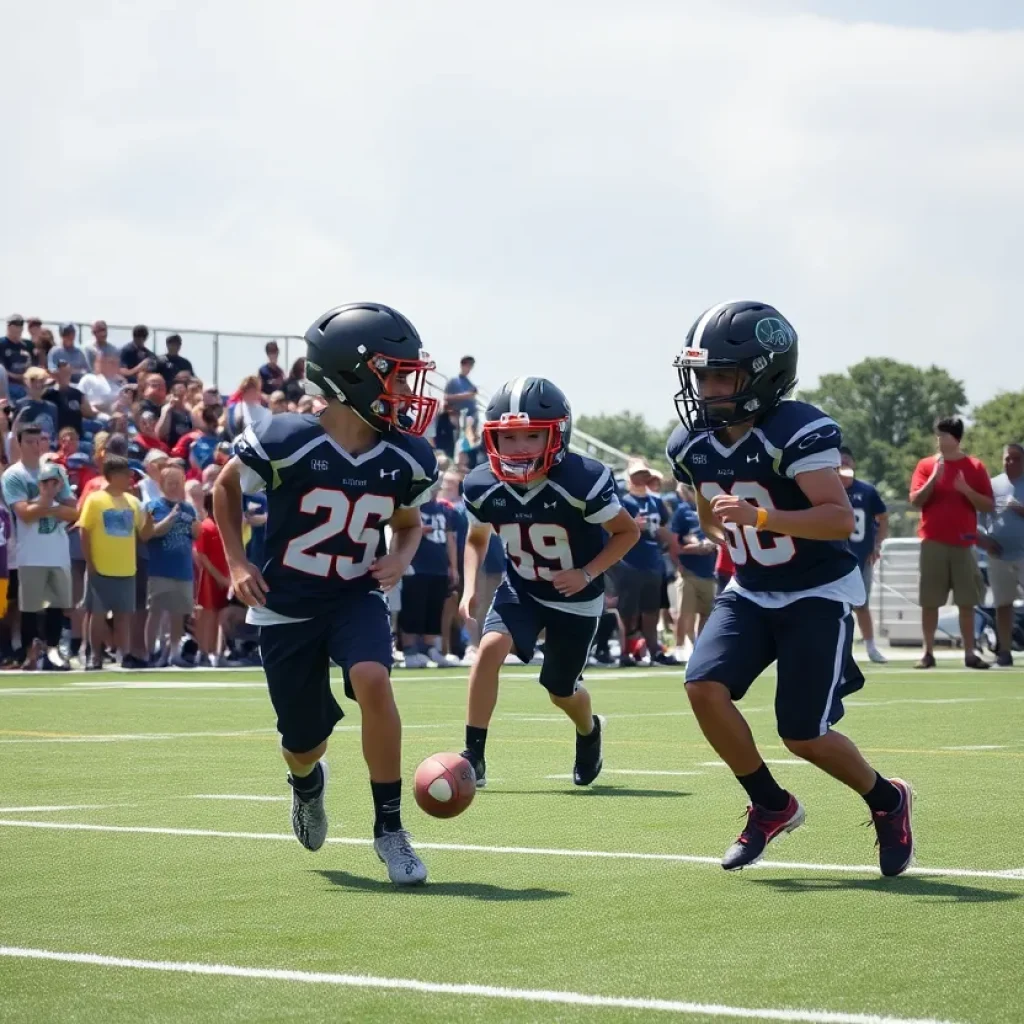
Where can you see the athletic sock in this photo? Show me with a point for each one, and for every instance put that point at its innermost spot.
(595, 732)
(387, 807)
(476, 740)
(763, 790)
(54, 624)
(884, 797)
(310, 784)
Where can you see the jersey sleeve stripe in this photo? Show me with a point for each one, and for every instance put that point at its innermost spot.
(819, 460)
(250, 479)
(250, 438)
(773, 452)
(809, 428)
(602, 481)
(574, 501)
(483, 497)
(290, 460)
(603, 515)
(418, 472)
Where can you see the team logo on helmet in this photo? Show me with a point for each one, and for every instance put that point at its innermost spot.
(774, 335)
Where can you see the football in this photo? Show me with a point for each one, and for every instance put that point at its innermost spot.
(444, 785)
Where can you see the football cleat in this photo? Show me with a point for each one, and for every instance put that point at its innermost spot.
(479, 768)
(309, 819)
(589, 754)
(895, 833)
(396, 853)
(762, 827)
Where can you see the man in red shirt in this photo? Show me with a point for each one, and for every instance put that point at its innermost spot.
(950, 489)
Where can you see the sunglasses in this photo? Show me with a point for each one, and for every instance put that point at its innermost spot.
(15, 323)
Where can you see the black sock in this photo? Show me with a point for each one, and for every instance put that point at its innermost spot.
(54, 624)
(763, 790)
(605, 629)
(884, 796)
(594, 734)
(76, 646)
(308, 785)
(476, 740)
(29, 629)
(387, 807)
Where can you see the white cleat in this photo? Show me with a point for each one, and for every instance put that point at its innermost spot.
(876, 656)
(397, 855)
(309, 818)
(416, 661)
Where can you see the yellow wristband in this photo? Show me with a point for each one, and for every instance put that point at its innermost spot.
(762, 518)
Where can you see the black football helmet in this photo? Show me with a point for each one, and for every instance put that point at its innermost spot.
(753, 339)
(369, 357)
(527, 404)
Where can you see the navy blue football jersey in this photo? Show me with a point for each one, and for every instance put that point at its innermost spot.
(552, 525)
(867, 505)
(326, 508)
(762, 467)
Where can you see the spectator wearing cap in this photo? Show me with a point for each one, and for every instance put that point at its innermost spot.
(40, 499)
(639, 575)
(460, 392)
(111, 520)
(271, 375)
(103, 388)
(172, 527)
(950, 488)
(100, 346)
(42, 346)
(72, 405)
(153, 464)
(70, 351)
(33, 408)
(173, 363)
(1004, 542)
(135, 357)
(15, 354)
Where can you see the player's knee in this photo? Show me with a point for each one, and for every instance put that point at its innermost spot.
(371, 683)
(706, 695)
(806, 750)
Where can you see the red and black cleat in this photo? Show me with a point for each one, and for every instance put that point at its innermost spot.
(895, 833)
(762, 827)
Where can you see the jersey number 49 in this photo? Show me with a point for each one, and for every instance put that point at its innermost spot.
(539, 540)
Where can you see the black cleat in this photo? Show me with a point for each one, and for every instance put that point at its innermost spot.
(589, 754)
(895, 833)
(663, 658)
(479, 768)
(762, 827)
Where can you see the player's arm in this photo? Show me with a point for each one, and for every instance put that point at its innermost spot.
(709, 522)
(406, 534)
(477, 540)
(623, 533)
(453, 558)
(830, 516)
(247, 581)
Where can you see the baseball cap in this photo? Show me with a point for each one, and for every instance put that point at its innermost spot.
(62, 361)
(68, 328)
(154, 455)
(15, 318)
(637, 465)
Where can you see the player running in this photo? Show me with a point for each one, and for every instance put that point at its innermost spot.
(332, 482)
(559, 517)
(764, 474)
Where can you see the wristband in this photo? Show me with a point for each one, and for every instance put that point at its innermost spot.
(762, 518)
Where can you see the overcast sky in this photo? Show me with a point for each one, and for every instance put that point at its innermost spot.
(558, 187)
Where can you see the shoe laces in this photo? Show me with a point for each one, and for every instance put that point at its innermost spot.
(399, 844)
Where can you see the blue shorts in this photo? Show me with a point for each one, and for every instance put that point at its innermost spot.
(810, 641)
(297, 660)
(567, 637)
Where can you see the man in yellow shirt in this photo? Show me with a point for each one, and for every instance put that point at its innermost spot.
(109, 522)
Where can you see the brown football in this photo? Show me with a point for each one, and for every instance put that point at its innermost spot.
(444, 785)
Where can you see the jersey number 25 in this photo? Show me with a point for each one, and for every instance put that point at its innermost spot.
(743, 541)
(353, 518)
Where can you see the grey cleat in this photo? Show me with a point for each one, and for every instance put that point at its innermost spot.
(396, 853)
(309, 819)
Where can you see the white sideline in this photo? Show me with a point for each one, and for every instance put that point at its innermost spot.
(628, 771)
(238, 796)
(56, 807)
(1016, 874)
(522, 995)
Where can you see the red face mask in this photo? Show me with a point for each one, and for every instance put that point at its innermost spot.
(522, 469)
(410, 410)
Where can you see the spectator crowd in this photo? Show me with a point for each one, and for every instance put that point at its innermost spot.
(109, 550)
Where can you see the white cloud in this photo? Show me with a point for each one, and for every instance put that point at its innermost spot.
(561, 189)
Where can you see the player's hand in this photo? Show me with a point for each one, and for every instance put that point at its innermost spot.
(249, 586)
(569, 582)
(731, 509)
(467, 607)
(453, 578)
(387, 571)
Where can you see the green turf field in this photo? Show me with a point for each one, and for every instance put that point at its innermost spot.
(144, 818)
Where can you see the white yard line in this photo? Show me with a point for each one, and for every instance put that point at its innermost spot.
(521, 995)
(628, 771)
(679, 858)
(767, 760)
(977, 746)
(238, 796)
(57, 807)
(132, 737)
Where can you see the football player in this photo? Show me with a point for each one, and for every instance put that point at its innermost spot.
(559, 517)
(332, 482)
(764, 472)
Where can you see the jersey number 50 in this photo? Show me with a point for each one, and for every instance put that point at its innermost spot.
(548, 541)
(345, 516)
(743, 541)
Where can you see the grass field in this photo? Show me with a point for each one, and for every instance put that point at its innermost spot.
(148, 872)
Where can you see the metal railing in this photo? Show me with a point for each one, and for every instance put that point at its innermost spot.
(229, 356)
